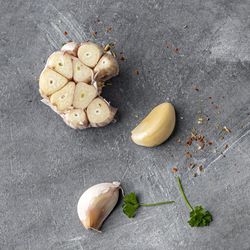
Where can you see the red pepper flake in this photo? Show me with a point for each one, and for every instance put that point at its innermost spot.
(210, 142)
(174, 170)
(109, 29)
(195, 88)
(94, 33)
(192, 165)
(177, 50)
(200, 169)
(65, 33)
(168, 45)
(189, 142)
(188, 155)
(122, 58)
(136, 72)
(210, 97)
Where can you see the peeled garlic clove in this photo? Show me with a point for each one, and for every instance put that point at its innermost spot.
(156, 127)
(96, 203)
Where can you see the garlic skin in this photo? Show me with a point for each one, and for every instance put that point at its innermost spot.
(96, 203)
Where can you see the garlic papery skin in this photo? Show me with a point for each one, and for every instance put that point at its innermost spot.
(96, 203)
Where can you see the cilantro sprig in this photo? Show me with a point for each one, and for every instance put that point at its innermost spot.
(199, 217)
(131, 204)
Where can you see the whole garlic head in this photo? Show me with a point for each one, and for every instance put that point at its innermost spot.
(96, 203)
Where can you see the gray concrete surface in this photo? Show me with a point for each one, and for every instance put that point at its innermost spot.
(45, 166)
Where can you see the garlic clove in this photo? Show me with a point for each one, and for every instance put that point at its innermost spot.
(96, 203)
(156, 127)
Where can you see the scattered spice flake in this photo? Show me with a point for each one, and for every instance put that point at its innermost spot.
(185, 26)
(136, 72)
(109, 29)
(210, 97)
(174, 170)
(226, 146)
(122, 58)
(210, 142)
(178, 140)
(194, 174)
(200, 139)
(188, 155)
(94, 33)
(192, 165)
(221, 137)
(200, 169)
(196, 88)
(98, 20)
(168, 45)
(189, 141)
(226, 129)
(176, 50)
(65, 33)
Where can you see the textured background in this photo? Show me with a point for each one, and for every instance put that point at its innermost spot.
(45, 166)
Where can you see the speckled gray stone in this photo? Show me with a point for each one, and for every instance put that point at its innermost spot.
(45, 165)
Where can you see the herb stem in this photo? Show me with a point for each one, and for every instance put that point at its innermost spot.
(183, 194)
(156, 204)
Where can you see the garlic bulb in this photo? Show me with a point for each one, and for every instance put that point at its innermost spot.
(96, 203)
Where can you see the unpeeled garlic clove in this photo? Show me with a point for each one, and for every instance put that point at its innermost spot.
(156, 127)
(96, 203)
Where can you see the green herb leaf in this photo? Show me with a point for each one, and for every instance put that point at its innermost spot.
(199, 217)
(131, 204)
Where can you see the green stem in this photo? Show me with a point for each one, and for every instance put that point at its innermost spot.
(183, 194)
(156, 204)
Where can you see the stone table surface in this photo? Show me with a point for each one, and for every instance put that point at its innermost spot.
(195, 54)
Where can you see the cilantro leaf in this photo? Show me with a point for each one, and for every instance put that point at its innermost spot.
(199, 217)
(131, 204)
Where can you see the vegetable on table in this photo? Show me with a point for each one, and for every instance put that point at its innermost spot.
(156, 127)
(96, 203)
(71, 84)
(199, 217)
(131, 204)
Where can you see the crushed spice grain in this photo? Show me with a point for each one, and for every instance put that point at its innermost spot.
(109, 29)
(174, 170)
(136, 72)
